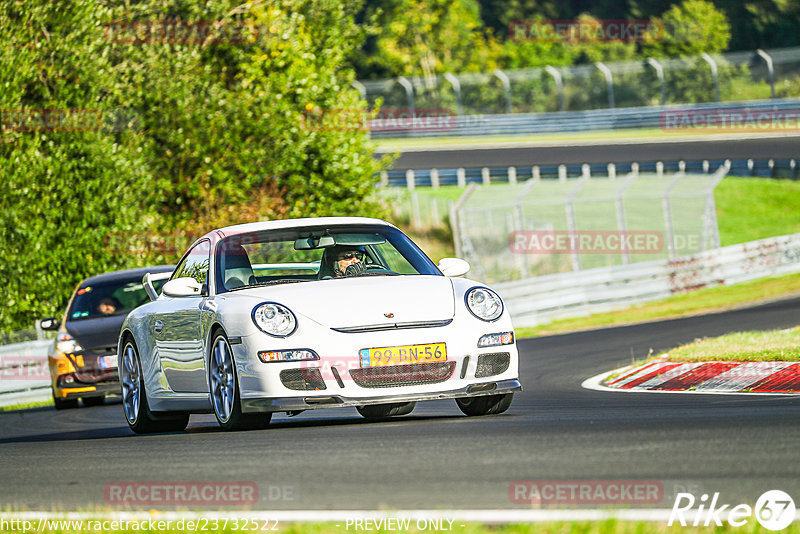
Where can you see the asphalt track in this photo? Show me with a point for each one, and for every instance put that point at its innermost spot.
(437, 458)
(601, 152)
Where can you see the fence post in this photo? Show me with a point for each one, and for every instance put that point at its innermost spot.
(612, 171)
(416, 220)
(503, 77)
(361, 89)
(461, 177)
(770, 70)
(435, 178)
(456, 90)
(714, 74)
(403, 81)
(660, 169)
(536, 173)
(562, 173)
(609, 82)
(552, 71)
(705, 166)
(410, 180)
(660, 73)
(793, 167)
(635, 168)
(485, 176)
(384, 180)
(455, 222)
(512, 175)
(586, 171)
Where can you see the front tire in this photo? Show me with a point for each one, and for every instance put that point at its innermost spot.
(224, 389)
(485, 405)
(384, 411)
(134, 398)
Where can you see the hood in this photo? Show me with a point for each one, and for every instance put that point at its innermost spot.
(97, 332)
(365, 301)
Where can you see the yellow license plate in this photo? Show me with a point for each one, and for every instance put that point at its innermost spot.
(426, 353)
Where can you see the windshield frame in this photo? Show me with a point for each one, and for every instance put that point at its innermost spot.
(394, 236)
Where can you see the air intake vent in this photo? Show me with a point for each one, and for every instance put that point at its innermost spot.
(492, 364)
(403, 375)
(302, 379)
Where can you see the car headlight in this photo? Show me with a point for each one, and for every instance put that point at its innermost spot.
(274, 319)
(66, 343)
(484, 303)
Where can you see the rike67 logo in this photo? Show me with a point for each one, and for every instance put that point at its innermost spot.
(774, 510)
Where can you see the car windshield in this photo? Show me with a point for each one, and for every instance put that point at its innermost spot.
(109, 298)
(314, 253)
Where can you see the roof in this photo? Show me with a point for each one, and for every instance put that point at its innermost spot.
(127, 273)
(291, 223)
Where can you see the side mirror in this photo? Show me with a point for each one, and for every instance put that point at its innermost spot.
(453, 267)
(182, 287)
(50, 323)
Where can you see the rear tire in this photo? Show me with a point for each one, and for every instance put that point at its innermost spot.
(384, 411)
(485, 405)
(93, 401)
(224, 389)
(134, 398)
(64, 404)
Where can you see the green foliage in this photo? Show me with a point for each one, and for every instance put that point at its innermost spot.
(64, 188)
(691, 28)
(221, 131)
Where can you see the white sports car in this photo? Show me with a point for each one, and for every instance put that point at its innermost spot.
(293, 315)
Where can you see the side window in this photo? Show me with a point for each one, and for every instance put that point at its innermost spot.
(195, 263)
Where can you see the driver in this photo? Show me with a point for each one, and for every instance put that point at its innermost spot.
(348, 261)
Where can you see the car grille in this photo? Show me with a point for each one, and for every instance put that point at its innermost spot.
(492, 364)
(403, 375)
(302, 379)
(392, 326)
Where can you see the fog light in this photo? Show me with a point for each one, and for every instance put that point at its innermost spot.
(294, 355)
(493, 340)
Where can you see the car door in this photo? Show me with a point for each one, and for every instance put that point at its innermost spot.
(177, 328)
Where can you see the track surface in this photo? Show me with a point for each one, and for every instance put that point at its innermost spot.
(437, 458)
(766, 148)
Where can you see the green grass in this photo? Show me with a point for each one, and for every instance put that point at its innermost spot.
(768, 346)
(693, 303)
(755, 208)
(388, 145)
(26, 405)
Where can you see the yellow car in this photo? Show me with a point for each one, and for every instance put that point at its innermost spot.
(83, 358)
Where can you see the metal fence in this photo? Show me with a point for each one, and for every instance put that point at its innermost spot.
(737, 76)
(539, 300)
(538, 227)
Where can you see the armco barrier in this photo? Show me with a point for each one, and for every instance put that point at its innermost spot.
(539, 300)
(591, 120)
(22, 374)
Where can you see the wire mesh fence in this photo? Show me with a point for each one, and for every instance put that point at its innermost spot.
(736, 76)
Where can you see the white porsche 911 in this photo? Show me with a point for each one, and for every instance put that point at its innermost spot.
(293, 315)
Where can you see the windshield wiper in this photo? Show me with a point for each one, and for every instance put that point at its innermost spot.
(273, 282)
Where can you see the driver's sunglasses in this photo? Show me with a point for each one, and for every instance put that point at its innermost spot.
(351, 255)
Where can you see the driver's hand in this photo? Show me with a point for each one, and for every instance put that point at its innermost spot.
(354, 269)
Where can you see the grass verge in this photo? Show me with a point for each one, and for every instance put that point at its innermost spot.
(26, 405)
(767, 346)
(638, 136)
(708, 300)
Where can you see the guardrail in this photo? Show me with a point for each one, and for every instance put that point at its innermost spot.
(411, 178)
(539, 300)
(24, 376)
(583, 121)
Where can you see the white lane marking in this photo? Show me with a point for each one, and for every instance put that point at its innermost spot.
(300, 516)
(742, 376)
